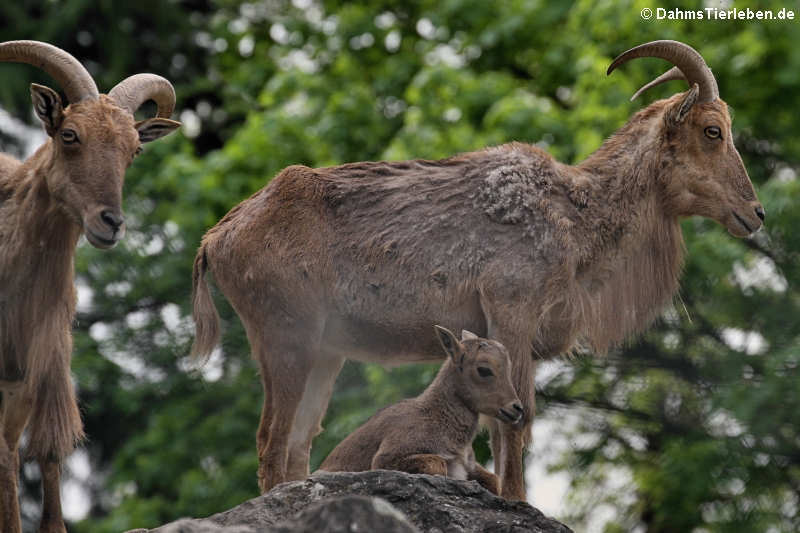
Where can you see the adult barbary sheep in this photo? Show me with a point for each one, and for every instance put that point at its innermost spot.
(433, 433)
(71, 185)
(355, 261)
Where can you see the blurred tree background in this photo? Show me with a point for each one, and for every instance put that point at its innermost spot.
(692, 428)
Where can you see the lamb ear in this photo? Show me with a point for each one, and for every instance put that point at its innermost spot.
(679, 112)
(449, 342)
(467, 335)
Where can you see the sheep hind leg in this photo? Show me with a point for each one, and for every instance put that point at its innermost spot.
(308, 419)
(52, 520)
(420, 463)
(15, 411)
(486, 479)
(262, 436)
(286, 366)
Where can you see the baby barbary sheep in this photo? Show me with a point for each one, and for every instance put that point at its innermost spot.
(433, 433)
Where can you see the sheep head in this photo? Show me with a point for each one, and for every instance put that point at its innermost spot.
(482, 370)
(94, 138)
(701, 170)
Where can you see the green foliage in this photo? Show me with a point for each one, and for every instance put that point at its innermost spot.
(697, 428)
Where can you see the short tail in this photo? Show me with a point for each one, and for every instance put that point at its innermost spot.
(206, 318)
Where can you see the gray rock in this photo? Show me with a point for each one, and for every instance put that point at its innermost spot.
(348, 514)
(189, 525)
(376, 501)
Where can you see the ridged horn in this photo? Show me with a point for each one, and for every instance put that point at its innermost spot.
(72, 77)
(690, 63)
(135, 90)
(672, 74)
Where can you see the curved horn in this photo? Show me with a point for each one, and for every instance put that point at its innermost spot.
(73, 78)
(135, 90)
(672, 74)
(683, 56)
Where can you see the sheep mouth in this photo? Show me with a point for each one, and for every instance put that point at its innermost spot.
(99, 241)
(742, 222)
(508, 416)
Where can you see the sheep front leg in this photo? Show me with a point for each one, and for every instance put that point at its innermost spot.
(52, 520)
(15, 411)
(515, 438)
(510, 440)
(9, 507)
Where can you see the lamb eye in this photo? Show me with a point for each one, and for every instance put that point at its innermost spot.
(485, 372)
(69, 136)
(713, 132)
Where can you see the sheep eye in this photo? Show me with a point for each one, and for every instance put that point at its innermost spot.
(138, 151)
(713, 132)
(69, 136)
(485, 372)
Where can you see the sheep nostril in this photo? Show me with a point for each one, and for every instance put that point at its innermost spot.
(112, 219)
(517, 407)
(760, 213)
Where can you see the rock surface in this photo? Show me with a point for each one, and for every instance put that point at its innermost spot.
(376, 501)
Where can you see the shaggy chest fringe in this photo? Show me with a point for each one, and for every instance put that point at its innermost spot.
(630, 290)
(37, 296)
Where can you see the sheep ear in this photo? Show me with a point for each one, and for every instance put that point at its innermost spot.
(679, 112)
(47, 105)
(449, 342)
(467, 335)
(155, 128)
